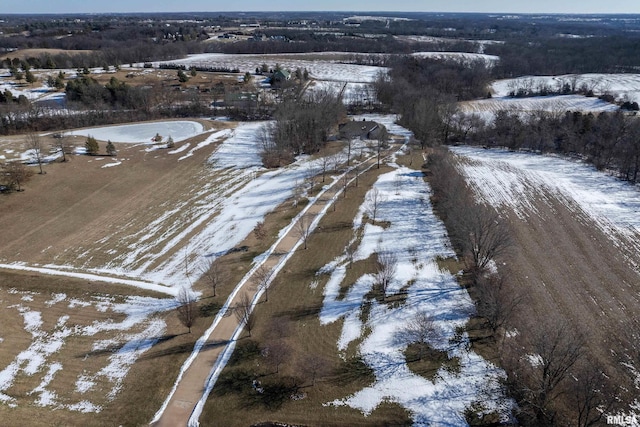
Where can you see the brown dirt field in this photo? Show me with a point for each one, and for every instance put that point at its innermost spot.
(25, 291)
(567, 268)
(63, 214)
(71, 207)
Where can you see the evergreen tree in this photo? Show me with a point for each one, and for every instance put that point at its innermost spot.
(30, 77)
(182, 77)
(111, 149)
(92, 146)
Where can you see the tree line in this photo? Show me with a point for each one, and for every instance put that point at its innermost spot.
(302, 124)
(424, 92)
(608, 140)
(549, 373)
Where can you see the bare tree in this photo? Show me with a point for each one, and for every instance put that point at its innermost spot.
(213, 273)
(263, 280)
(372, 203)
(325, 160)
(315, 366)
(63, 145)
(386, 266)
(277, 353)
(187, 308)
(16, 174)
(260, 231)
(539, 377)
(591, 395)
(243, 312)
(484, 235)
(421, 330)
(495, 302)
(35, 145)
(298, 192)
(350, 251)
(382, 141)
(303, 229)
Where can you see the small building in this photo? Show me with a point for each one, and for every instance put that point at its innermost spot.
(280, 76)
(361, 130)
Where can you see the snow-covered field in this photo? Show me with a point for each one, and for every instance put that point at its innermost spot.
(143, 132)
(323, 67)
(47, 356)
(504, 178)
(462, 56)
(623, 86)
(487, 108)
(416, 237)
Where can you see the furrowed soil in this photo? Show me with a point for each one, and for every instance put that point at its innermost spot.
(569, 271)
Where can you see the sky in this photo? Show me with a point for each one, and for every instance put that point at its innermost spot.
(507, 6)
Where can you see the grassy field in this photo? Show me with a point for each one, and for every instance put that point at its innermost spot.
(289, 320)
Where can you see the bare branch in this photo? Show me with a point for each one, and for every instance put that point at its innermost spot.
(187, 308)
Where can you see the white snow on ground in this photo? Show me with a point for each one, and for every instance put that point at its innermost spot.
(241, 150)
(110, 165)
(463, 56)
(215, 137)
(57, 270)
(416, 237)
(487, 108)
(231, 207)
(620, 85)
(504, 178)
(323, 67)
(354, 92)
(40, 356)
(143, 132)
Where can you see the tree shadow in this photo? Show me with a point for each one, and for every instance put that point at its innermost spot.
(113, 348)
(301, 312)
(181, 349)
(245, 350)
(352, 370)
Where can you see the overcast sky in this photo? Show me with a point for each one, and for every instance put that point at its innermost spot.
(513, 6)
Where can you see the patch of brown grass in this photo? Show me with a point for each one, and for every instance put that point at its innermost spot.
(295, 301)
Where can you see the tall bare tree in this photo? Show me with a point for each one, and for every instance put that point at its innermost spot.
(187, 308)
(303, 228)
(486, 236)
(538, 377)
(495, 301)
(315, 366)
(35, 146)
(62, 144)
(243, 312)
(373, 201)
(263, 280)
(277, 353)
(213, 273)
(422, 331)
(386, 266)
(16, 174)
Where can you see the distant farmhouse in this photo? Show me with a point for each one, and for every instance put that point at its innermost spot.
(361, 130)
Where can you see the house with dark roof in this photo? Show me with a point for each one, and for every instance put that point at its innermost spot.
(361, 130)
